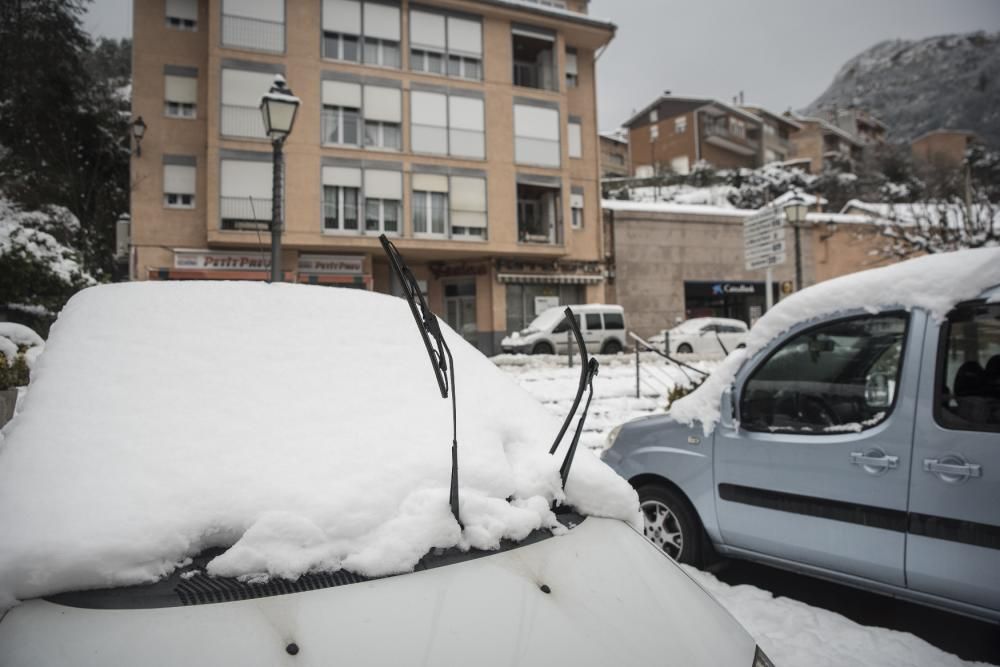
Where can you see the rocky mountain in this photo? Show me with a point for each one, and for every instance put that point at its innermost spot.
(950, 81)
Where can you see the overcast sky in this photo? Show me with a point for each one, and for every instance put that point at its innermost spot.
(781, 53)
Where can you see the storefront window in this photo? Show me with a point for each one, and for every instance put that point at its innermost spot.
(739, 300)
(525, 301)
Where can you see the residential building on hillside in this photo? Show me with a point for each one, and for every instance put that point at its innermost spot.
(776, 135)
(817, 142)
(673, 133)
(463, 129)
(942, 147)
(865, 127)
(614, 155)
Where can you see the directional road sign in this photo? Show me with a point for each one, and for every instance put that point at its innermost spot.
(764, 239)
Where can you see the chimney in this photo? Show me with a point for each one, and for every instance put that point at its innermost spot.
(741, 98)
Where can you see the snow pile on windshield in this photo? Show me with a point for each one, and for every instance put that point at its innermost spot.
(301, 427)
(935, 283)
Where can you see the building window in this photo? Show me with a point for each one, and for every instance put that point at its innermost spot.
(344, 116)
(536, 135)
(383, 201)
(654, 132)
(383, 115)
(442, 124)
(468, 207)
(576, 208)
(654, 116)
(341, 125)
(340, 208)
(680, 125)
(178, 186)
(182, 14)
(245, 194)
(241, 93)
(572, 72)
(575, 139)
(534, 51)
(737, 128)
(442, 44)
(429, 201)
(538, 213)
(344, 39)
(180, 96)
(252, 24)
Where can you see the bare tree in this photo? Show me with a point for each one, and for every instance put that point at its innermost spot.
(906, 230)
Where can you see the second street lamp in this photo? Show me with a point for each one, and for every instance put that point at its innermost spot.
(277, 108)
(795, 213)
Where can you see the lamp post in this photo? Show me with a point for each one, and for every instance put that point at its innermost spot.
(278, 109)
(795, 213)
(138, 131)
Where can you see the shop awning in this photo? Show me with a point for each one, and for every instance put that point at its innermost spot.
(550, 278)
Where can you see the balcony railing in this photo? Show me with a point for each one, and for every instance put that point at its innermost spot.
(722, 131)
(533, 75)
(242, 121)
(245, 213)
(247, 33)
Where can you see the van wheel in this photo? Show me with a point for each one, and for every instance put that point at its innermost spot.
(670, 523)
(542, 348)
(611, 347)
(684, 348)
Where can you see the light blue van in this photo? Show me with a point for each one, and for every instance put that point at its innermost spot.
(863, 447)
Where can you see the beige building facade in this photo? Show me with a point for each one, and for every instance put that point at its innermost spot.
(464, 130)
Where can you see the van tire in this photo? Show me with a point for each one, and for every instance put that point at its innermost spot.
(542, 348)
(654, 500)
(684, 348)
(611, 347)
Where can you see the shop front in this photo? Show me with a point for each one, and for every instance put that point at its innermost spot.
(337, 270)
(533, 288)
(739, 300)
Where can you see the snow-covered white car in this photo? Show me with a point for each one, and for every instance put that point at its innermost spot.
(602, 326)
(251, 474)
(702, 336)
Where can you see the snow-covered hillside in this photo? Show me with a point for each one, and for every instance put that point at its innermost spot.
(949, 81)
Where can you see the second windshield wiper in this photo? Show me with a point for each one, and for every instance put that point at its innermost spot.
(438, 352)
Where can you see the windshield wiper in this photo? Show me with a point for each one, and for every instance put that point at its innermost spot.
(438, 352)
(588, 370)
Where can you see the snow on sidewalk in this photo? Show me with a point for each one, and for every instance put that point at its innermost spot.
(792, 633)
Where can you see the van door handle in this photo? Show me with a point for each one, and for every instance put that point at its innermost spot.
(950, 471)
(875, 461)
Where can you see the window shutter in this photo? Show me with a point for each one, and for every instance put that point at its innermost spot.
(465, 36)
(183, 9)
(575, 140)
(342, 16)
(180, 89)
(571, 63)
(342, 94)
(383, 184)
(262, 10)
(245, 179)
(383, 104)
(243, 88)
(428, 122)
(381, 21)
(178, 179)
(348, 177)
(466, 127)
(468, 202)
(427, 29)
(536, 122)
(576, 200)
(430, 183)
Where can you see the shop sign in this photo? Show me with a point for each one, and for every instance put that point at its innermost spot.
(543, 303)
(350, 265)
(719, 289)
(206, 260)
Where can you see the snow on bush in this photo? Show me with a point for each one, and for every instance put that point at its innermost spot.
(934, 283)
(298, 426)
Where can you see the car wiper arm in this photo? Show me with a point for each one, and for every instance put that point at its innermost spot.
(588, 370)
(439, 353)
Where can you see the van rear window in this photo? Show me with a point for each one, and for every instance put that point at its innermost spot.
(614, 321)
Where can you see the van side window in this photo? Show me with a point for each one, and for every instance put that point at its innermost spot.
(563, 327)
(614, 321)
(838, 377)
(594, 322)
(968, 372)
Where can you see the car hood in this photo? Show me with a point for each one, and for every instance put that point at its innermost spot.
(598, 595)
(653, 431)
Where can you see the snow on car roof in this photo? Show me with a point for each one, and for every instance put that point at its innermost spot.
(934, 283)
(299, 425)
(698, 322)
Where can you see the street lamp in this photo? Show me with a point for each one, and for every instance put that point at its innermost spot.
(277, 108)
(795, 213)
(138, 131)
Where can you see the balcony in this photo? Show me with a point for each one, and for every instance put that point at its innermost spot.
(538, 214)
(248, 33)
(533, 62)
(718, 134)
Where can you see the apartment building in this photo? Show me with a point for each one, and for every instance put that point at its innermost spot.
(614, 155)
(464, 129)
(818, 141)
(776, 134)
(673, 133)
(865, 127)
(944, 148)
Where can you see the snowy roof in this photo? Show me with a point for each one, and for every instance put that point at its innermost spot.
(618, 135)
(694, 102)
(535, 7)
(670, 207)
(805, 197)
(935, 283)
(781, 118)
(300, 426)
(826, 125)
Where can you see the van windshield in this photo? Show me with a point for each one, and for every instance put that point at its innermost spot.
(548, 319)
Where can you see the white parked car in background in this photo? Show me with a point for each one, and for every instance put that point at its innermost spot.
(603, 328)
(702, 336)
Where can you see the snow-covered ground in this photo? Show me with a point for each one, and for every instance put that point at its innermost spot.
(792, 633)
